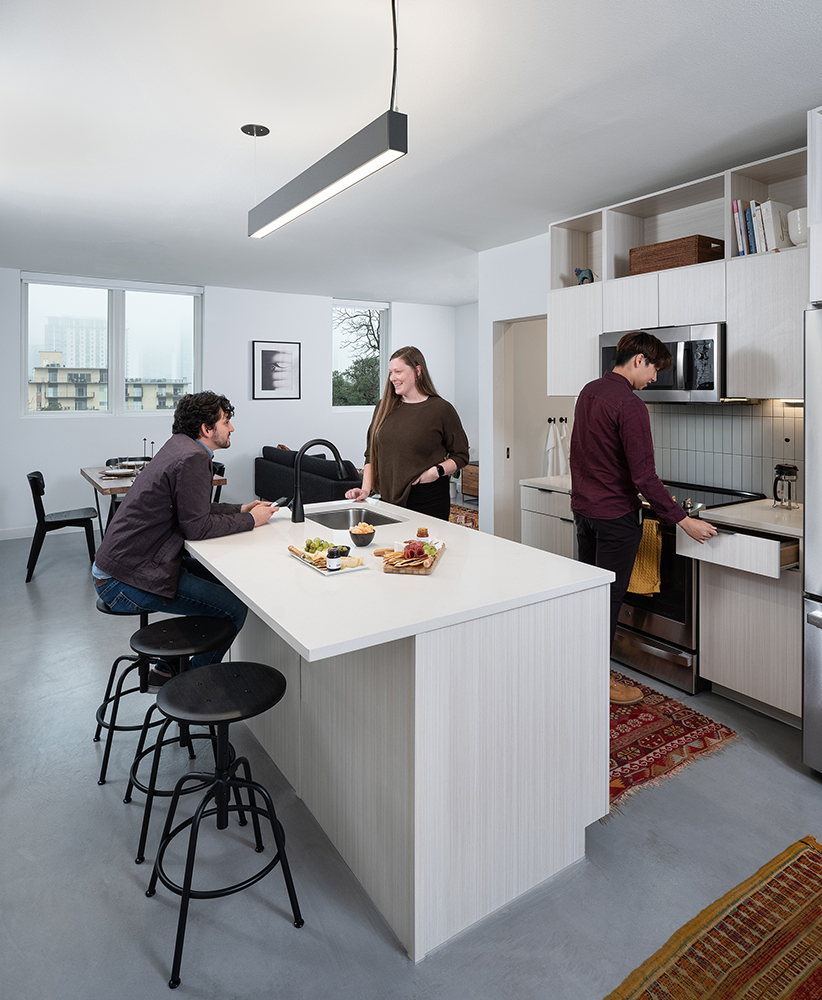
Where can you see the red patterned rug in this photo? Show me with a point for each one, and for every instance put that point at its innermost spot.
(655, 738)
(464, 515)
(760, 941)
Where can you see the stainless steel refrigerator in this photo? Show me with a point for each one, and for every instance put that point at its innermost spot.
(812, 687)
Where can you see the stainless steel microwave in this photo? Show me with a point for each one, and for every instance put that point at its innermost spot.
(697, 374)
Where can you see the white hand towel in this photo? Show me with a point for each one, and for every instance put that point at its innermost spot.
(562, 449)
(551, 452)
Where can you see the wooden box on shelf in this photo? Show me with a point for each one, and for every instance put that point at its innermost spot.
(470, 479)
(675, 253)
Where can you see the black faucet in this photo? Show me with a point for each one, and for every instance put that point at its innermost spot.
(297, 513)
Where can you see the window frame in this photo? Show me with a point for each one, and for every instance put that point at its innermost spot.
(385, 341)
(116, 343)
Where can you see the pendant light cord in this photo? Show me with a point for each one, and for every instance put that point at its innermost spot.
(392, 102)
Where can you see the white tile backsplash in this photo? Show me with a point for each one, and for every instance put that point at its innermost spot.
(735, 446)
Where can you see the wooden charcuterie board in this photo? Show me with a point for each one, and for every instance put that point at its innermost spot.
(416, 570)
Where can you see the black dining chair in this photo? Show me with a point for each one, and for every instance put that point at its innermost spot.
(219, 470)
(83, 517)
(117, 498)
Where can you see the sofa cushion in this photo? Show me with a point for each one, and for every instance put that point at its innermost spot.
(279, 456)
(327, 468)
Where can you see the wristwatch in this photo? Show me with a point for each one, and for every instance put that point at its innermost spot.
(440, 471)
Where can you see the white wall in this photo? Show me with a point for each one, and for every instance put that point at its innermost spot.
(59, 444)
(513, 284)
(432, 330)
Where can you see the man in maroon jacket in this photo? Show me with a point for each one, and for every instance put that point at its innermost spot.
(612, 461)
(141, 563)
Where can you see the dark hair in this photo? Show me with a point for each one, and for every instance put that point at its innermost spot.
(198, 408)
(639, 342)
(413, 357)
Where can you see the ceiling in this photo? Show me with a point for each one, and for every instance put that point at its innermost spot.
(122, 155)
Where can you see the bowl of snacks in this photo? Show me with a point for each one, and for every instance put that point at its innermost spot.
(362, 533)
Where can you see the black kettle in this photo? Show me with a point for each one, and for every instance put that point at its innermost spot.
(785, 475)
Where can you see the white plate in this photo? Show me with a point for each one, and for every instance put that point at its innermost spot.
(117, 474)
(325, 572)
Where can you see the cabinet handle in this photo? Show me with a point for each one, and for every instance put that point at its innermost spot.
(815, 619)
(724, 531)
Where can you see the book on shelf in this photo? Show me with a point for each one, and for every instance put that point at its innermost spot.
(744, 245)
(750, 229)
(775, 223)
(738, 225)
(759, 232)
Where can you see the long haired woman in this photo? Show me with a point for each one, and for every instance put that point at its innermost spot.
(415, 441)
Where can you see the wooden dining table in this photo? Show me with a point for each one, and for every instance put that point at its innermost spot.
(109, 481)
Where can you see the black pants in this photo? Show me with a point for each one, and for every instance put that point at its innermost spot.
(433, 499)
(610, 544)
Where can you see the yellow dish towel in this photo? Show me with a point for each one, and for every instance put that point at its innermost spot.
(645, 576)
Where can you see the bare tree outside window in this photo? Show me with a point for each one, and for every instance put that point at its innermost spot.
(355, 379)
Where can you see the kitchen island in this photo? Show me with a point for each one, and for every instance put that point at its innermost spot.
(448, 732)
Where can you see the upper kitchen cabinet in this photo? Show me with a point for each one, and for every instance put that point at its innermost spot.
(630, 303)
(690, 295)
(815, 202)
(574, 326)
(764, 307)
(766, 298)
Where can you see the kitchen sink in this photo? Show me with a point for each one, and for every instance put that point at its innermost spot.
(347, 517)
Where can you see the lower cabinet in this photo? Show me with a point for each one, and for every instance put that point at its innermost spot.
(547, 521)
(751, 634)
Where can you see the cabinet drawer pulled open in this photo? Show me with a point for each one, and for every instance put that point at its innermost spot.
(751, 552)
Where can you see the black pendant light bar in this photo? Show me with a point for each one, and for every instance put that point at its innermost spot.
(384, 140)
(381, 142)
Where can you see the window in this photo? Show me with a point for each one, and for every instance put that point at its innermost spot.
(359, 345)
(78, 331)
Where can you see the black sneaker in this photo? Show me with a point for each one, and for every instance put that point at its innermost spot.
(156, 679)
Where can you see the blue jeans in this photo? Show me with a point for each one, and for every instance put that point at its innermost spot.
(198, 593)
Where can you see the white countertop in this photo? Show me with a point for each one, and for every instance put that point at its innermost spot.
(321, 616)
(759, 515)
(557, 484)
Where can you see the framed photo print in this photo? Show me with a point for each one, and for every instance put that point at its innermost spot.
(275, 370)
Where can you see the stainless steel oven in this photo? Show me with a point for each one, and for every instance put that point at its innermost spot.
(697, 374)
(659, 635)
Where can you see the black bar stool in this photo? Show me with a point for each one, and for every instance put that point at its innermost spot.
(173, 639)
(218, 695)
(112, 701)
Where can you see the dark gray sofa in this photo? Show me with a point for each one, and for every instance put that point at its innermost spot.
(274, 477)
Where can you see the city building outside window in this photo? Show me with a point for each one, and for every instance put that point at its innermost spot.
(82, 335)
(359, 348)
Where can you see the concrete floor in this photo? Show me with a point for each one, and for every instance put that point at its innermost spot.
(75, 921)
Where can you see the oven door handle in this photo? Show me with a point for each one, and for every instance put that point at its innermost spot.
(815, 618)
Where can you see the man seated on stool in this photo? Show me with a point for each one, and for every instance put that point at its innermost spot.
(612, 461)
(140, 564)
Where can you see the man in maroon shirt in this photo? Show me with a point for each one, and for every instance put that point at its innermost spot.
(612, 461)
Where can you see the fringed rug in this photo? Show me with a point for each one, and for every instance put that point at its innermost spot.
(655, 738)
(464, 515)
(760, 941)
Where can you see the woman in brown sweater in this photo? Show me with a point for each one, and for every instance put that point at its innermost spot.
(415, 441)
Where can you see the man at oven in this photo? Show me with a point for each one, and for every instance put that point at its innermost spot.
(612, 461)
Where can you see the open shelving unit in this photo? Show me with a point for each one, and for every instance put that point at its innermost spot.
(601, 240)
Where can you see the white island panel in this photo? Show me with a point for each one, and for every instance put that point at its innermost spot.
(449, 732)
